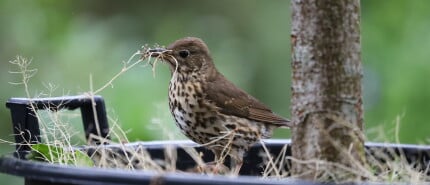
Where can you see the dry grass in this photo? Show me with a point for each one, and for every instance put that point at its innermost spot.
(56, 131)
(383, 165)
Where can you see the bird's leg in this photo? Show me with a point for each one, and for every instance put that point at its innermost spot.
(217, 155)
(236, 165)
(218, 162)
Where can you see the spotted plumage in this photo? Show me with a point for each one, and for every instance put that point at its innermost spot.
(209, 109)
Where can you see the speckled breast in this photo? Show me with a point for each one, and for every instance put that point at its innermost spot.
(200, 120)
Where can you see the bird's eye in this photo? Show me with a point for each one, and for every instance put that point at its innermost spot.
(184, 53)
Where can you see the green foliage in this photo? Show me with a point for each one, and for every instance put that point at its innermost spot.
(53, 154)
(249, 41)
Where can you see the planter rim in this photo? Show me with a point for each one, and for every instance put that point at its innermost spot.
(157, 143)
(93, 175)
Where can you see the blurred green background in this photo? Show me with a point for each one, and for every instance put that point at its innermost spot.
(249, 40)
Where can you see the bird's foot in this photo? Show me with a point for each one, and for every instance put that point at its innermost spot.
(211, 168)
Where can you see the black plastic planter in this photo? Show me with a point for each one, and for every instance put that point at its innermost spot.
(36, 173)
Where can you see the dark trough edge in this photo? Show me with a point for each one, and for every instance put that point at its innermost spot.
(83, 175)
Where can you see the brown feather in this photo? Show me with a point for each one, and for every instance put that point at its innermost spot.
(234, 101)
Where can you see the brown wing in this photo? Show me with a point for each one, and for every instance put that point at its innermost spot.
(234, 101)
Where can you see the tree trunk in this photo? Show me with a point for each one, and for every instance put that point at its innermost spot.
(328, 141)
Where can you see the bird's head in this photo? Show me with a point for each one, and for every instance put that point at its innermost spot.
(185, 55)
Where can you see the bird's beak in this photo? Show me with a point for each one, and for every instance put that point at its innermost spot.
(162, 53)
(157, 52)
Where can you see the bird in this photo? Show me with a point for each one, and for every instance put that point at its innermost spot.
(208, 108)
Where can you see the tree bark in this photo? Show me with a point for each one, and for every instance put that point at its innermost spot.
(328, 141)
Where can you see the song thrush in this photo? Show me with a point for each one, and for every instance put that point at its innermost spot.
(209, 109)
